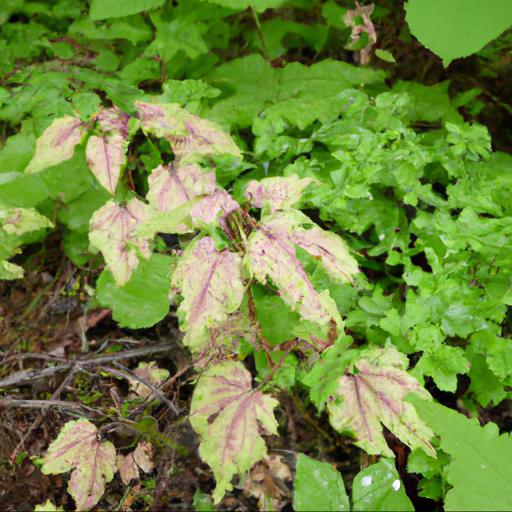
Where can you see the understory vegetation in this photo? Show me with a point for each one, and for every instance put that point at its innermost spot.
(255, 255)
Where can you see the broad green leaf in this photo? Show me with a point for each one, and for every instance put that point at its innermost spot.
(318, 486)
(9, 271)
(225, 412)
(56, 144)
(271, 256)
(103, 9)
(152, 374)
(240, 5)
(133, 29)
(210, 282)
(113, 231)
(142, 301)
(378, 487)
(189, 135)
(371, 394)
(277, 193)
(457, 28)
(92, 463)
(480, 471)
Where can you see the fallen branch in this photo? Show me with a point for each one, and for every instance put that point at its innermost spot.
(28, 376)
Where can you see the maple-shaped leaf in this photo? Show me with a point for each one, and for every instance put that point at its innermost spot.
(213, 209)
(188, 134)
(226, 413)
(210, 282)
(56, 144)
(106, 153)
(113, 231)
(277, 193)
(371, 395)
(151, 373)
(92, 463)
(271, 255)
(173, 187)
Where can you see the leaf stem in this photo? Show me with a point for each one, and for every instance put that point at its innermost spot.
(260, 34)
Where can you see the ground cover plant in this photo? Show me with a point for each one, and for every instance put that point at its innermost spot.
(246, 262)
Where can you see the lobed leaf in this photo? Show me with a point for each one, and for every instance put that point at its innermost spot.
(56, 144)
(225, 412)
(277, 193)
(371, 395)
(92, 463)
(189, 135)
(271, 256)
(210, 282)
(113, 231)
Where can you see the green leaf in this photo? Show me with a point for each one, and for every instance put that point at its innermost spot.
(103, 9)
(457, 28)
(378, 487)
(143, 300)
(92, 463)
(318, 486)
(385, 55)
(240, 5)
(481, 460)
(225, 412)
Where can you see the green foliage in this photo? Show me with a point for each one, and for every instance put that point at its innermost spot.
(457, 28)
(479, 469)
(345, 236)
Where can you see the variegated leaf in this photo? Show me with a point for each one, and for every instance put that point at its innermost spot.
(113, 231)
(173, 186)
(17, 221)
(371, 395)
(213, 209)
(106, 153)
(106, 157)
(210, 282)
(277, 193)
(226, 413)
(271, 256)
(188, 134)
(128, 470)
(56, 144)
(92, 463)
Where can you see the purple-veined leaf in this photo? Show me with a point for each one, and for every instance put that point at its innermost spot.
(56, 144)
(210, 282)
(277, 193)
(106, 153)
(113, 120)
(151, 373)
(371, 395)
(113, 231)
(213, 209)
(173, 186)
(353, 18)
(92, 463)
(226, 413)
(188, 134)
(271, 255)
(106, 157)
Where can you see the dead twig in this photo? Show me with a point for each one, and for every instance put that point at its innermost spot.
(28, 376)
